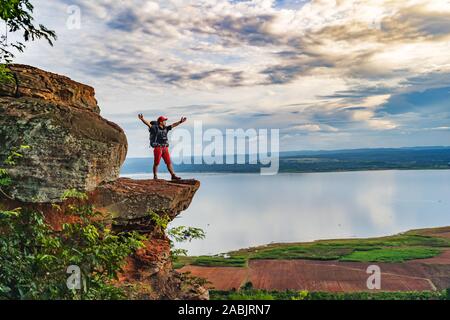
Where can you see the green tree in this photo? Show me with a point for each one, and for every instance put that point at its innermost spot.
(177, 234)
(34, 258)
(17, 17)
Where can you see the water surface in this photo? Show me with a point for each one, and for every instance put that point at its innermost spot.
(243, 210)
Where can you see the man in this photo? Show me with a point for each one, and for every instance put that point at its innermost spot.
(159, 141)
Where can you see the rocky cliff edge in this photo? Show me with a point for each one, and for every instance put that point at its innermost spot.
(73, 147)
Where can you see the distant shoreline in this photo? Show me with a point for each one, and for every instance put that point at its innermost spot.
(291, 172)
(433, 158)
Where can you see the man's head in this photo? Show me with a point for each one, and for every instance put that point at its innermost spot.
(162, 120)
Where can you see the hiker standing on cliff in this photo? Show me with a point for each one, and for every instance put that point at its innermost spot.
(159, 141)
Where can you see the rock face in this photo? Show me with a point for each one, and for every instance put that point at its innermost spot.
(72, 146)
(30, 82)
(129, 201)
(150, 269)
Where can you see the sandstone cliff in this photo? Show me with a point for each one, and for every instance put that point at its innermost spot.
(73, 147)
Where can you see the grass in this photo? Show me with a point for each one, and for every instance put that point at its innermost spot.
(391, 254)
(305, 295)
(416, 244)
(211, 261)
(313, 252)
(207, 261)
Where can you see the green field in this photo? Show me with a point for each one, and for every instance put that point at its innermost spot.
(416, 244)
(251, 294)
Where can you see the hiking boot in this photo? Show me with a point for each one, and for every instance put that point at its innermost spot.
(174, 177)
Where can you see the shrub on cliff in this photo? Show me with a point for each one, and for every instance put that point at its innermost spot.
(178, 234)
(35, 259)
(17, 15)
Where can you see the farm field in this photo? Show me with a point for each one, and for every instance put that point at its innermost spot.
(417, 260)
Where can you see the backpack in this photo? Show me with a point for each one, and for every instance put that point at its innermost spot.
(153, 133)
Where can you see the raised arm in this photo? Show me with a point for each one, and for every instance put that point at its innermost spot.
(147, 123)
(176, 124)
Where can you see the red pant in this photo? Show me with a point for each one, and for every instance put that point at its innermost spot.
(161, 152)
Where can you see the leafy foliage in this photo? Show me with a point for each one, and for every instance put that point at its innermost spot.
(34, 257)
(17, 16)
(15, 154)
(161, 221)
(183, 234)
(75, 194)
(6, 75)
(251, 294)
(5, 179)
(177, 234)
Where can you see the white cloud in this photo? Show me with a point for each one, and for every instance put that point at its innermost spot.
(325, 66)
(307, 127)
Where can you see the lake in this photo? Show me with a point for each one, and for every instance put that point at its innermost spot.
(242, 210)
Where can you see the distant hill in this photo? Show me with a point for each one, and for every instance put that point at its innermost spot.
(414, 158)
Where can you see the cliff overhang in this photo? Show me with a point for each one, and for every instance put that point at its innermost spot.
(73, 147)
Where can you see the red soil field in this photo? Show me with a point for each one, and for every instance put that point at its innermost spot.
(328, 276)
(443, 258)
(331, 276)
(221, 278)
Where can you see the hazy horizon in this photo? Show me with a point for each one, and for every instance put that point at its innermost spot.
(332, 150)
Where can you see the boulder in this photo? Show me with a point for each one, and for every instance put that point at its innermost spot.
(31, 82)
(130, 201)
(72, 146)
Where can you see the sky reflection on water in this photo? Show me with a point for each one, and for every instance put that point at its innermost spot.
(243, 210)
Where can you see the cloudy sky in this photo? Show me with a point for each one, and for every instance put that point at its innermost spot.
(328, 74)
